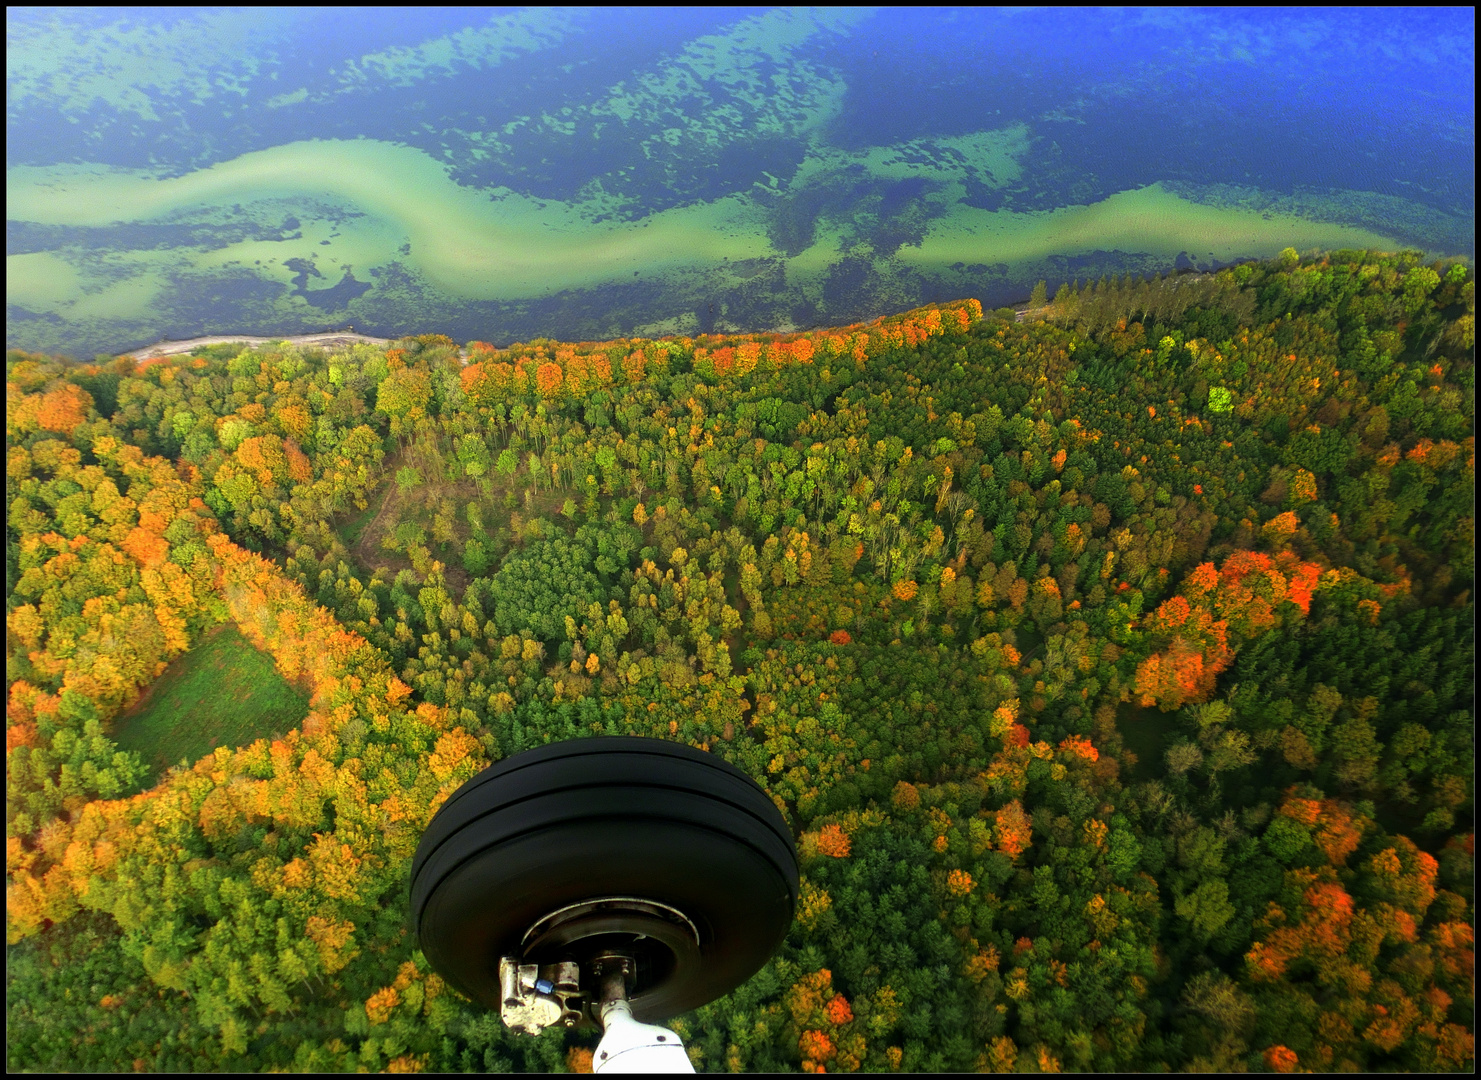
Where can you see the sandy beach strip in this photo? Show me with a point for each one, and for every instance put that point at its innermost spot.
(172, 348)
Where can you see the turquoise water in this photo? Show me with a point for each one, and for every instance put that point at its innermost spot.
(587, 174)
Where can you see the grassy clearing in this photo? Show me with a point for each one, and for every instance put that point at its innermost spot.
(221, 693)
(352, 528)
(392, 506)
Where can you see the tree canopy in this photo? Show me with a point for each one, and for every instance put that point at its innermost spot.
(1114, 668)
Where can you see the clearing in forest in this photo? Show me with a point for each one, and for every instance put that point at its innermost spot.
(441, 515)
(223, 692)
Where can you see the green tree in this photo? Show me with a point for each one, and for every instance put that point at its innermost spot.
(475, 561)
(538, 586)
(408, 478)
(1206, 909)
(403, 396)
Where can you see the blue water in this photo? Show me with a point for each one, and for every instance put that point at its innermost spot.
(837, 151)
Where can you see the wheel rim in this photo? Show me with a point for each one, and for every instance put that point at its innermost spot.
(660, 939)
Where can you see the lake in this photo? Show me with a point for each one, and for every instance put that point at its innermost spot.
(504, 175)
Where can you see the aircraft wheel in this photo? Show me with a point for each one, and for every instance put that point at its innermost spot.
(612, 843)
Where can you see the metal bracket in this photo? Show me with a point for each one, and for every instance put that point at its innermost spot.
(535, 997)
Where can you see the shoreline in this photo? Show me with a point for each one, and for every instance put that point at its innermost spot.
(174, 348)
(347, 337)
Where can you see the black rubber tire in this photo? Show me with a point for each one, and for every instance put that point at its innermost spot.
(598, 817)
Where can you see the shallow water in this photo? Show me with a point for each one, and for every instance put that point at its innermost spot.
(583, 174)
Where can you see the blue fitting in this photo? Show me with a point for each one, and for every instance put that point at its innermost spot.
(544, 986)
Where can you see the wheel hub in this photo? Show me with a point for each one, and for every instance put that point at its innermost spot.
(566, 954)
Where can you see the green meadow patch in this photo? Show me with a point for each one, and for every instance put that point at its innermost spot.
(223, 692)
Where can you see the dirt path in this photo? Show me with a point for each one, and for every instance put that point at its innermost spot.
(362, 549)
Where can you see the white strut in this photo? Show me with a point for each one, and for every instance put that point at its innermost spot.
(632, 1047)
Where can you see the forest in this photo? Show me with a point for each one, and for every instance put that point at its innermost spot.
(1114, 666)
